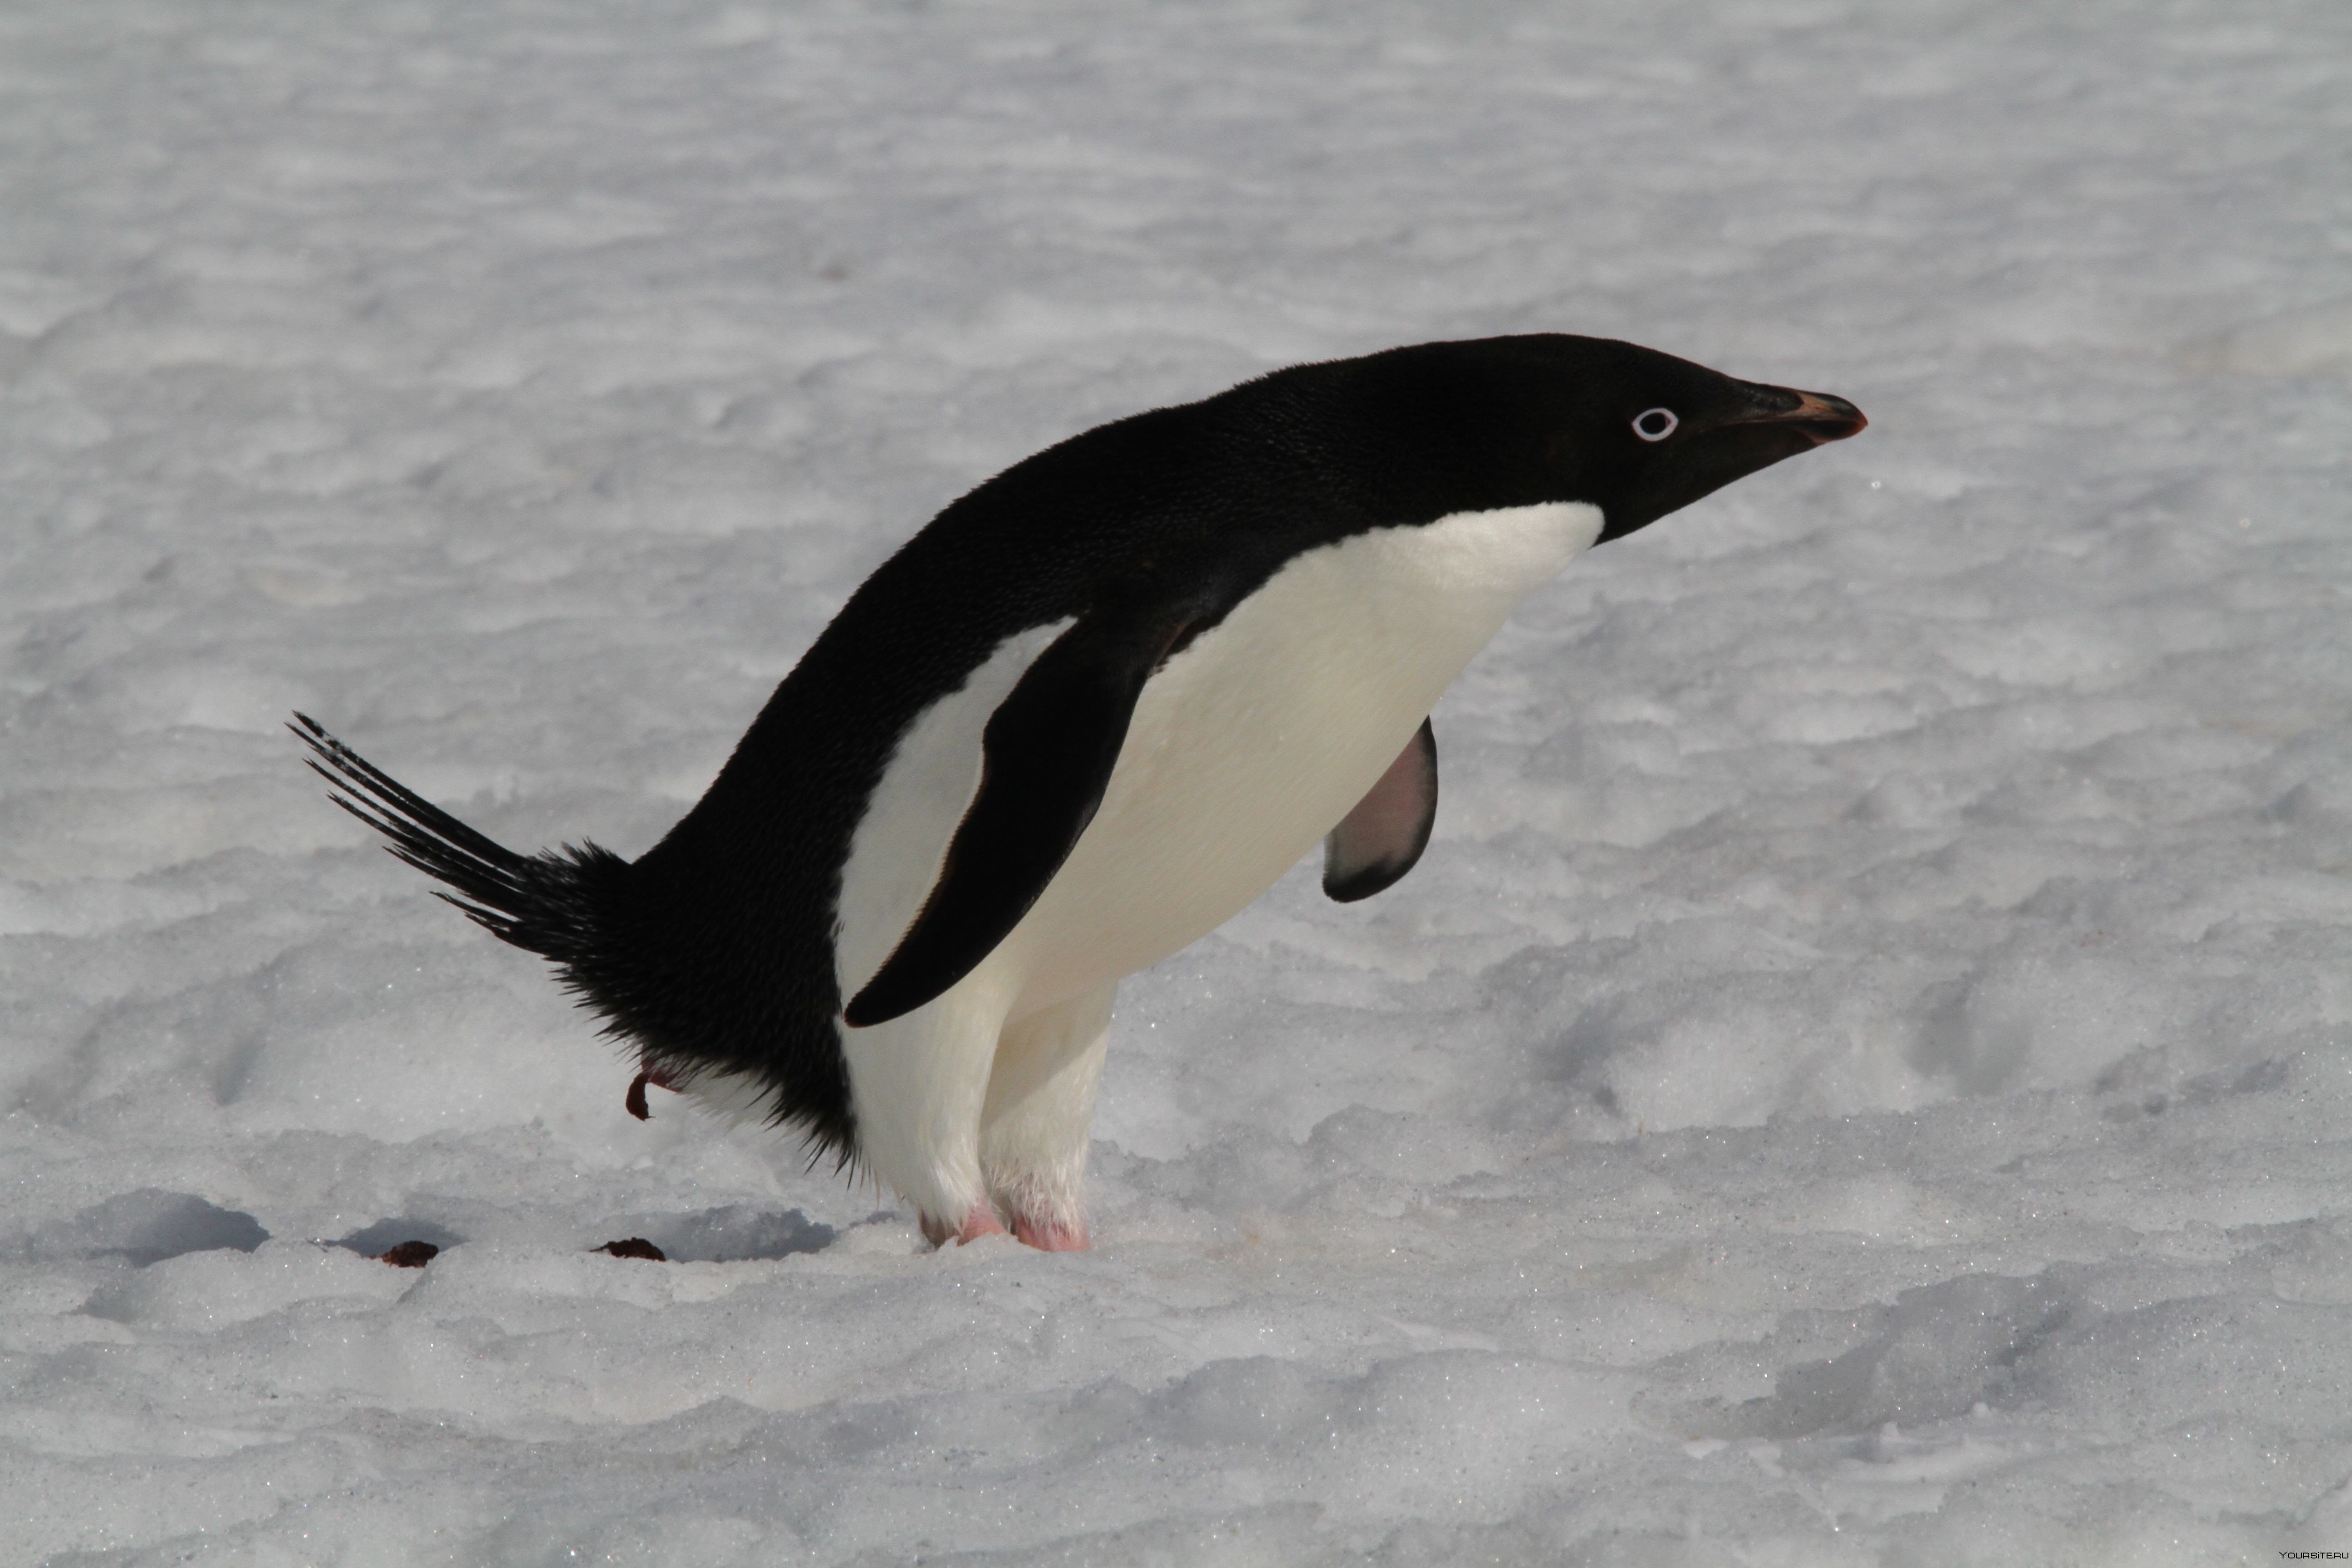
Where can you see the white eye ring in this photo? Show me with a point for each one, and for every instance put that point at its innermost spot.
(1647, 426)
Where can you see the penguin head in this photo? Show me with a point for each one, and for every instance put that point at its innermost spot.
(1695, 431)
(1551, 417)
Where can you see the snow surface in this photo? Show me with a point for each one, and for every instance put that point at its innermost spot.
(1863, 1076)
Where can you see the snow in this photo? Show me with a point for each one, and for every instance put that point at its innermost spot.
(1860, 1076)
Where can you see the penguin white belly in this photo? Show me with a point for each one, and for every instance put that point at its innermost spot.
(1251, 743)
(1243, 751)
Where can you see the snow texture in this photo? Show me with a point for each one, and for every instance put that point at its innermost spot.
(1863, 1074)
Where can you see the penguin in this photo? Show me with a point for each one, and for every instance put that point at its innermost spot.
(1085, 715)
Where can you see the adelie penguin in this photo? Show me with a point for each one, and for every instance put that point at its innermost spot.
(1092, 709)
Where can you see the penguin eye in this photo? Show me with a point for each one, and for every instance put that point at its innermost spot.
(1655, 424)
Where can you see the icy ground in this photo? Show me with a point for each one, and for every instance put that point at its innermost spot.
(1864, 1074)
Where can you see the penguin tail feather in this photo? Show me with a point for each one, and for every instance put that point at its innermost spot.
(583, 906)
(554, 904)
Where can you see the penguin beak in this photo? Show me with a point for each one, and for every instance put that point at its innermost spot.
(1816, 416)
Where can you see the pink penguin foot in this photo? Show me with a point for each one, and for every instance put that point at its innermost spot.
(982, 1221)
(1050, 1235)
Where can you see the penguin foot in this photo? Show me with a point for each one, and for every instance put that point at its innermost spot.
(982, 1221)
(1047, 1208)
(1045, 1235)
(1051, 1236)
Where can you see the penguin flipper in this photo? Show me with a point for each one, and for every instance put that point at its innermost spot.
(1382, 838)
(1045, 758)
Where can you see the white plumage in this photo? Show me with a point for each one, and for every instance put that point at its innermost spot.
(1245, 748)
